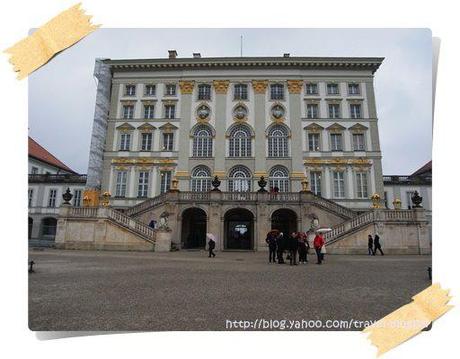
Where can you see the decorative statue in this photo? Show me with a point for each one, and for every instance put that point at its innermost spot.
(106, 198)
(416, 200)
(375, 200)
(216, 183)
(262, 183)
(164, 221)
(67, 196)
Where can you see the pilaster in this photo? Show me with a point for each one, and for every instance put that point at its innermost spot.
(186, 89)
(260, 87)
(221, 87)
(294, 89)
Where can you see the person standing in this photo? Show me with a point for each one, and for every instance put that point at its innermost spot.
(211, 244)
(323, 250)
(318, 243)
(302, 247)
(153, 224)
(370, 244)
(293, 245)
(377, 245)
(271, 241)
(280, 243)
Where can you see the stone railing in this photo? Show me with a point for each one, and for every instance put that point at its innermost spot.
(366, 218)
(194, 196)
(147, 205)
(332, 206)
(115, 216)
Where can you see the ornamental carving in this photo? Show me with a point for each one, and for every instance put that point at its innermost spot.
(203, 111)
(259, 86)
(186, 87)
(278, 112)
(240, 112)
(294, 86)
(221, 86)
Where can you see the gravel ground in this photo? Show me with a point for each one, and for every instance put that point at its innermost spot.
(82, 290)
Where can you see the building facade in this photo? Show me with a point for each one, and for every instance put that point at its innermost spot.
(284, 118)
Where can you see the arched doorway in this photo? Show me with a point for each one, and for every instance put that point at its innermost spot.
(239, 229)
(31, 224)
(284, 220)
(193, 233)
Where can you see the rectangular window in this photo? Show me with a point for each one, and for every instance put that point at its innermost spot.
(358, 142)
(143, 185)
(355, 111)
(149, 111)
(312, 110)
(409, 195)
(77, 198)
(277, 92)
(339, 184)
(334, 110)
(170, 111)
(315, 182)
(170, 90)
(120, 188)
(146, 141)
(125, 141)
(128, 111)
(150, 90)
(130, 90)
(31, 196)
(336, 142)
(240, 92)
(313, 142)
(52, 198)
(168, 141)
(165, 181)
(361, 183)
(353, 89)
(311, 89)
(34, 170)
(332, 89)
(204, 92)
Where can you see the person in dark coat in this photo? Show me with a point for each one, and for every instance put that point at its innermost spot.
(153, 224)
(293, 246)
(370, 245)
(302, 248)
(271, 241)
(377, 245)
(211, 244)
(280, 244)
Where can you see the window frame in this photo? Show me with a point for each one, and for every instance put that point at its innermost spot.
(121, 183)
(52, 198)
(172, 93)
(277, 95)
(143, 184)
(278, 146)
(340, 190)
(240, 146)
(146, 144)
(240, 97)
(204, 95)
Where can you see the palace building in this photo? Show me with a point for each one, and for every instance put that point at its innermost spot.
(191, 119)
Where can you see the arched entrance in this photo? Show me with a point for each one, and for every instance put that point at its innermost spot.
(239, 229)
(193, 233)
(285, 220)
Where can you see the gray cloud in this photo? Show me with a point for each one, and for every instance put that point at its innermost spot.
(62, 93)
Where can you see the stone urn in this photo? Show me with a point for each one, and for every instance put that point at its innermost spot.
(215, 184)
(67, 196)
(262, 183)
(416, 200)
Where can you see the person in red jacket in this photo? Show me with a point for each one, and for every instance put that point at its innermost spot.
(318, 242)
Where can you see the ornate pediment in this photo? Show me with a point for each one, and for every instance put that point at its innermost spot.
(146, 127)
(168, 127)
(125, 127)
(335, 127)
(314, 127)
(358, 128)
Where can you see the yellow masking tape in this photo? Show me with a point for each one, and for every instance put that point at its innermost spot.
(56, 35)
(410, 319)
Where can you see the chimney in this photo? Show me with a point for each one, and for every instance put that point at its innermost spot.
(286, 54)
(196, 55)
(172, 54)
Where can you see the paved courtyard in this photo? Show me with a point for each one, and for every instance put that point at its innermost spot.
(82, 290)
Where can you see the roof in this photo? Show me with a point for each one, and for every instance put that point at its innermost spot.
(423, 170)
(39, 153)
(345, 63)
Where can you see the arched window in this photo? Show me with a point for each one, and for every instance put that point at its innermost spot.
(279, 177)
(278, 141)
(201, 179)
(202, 141)
(239, 179)
(240, 142)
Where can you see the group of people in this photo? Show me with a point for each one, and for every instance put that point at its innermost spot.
(374, 245)
(296, 245)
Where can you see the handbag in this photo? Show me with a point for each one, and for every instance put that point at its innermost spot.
(323, 249)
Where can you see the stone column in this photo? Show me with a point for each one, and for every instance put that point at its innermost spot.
(220, 87)
(214, 224)
(101, 112)
(186, 89)
(260, 87)
(297, 173)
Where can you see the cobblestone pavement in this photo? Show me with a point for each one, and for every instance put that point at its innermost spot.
(83, 290)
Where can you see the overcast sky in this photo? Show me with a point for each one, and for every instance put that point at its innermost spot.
(62, 93)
